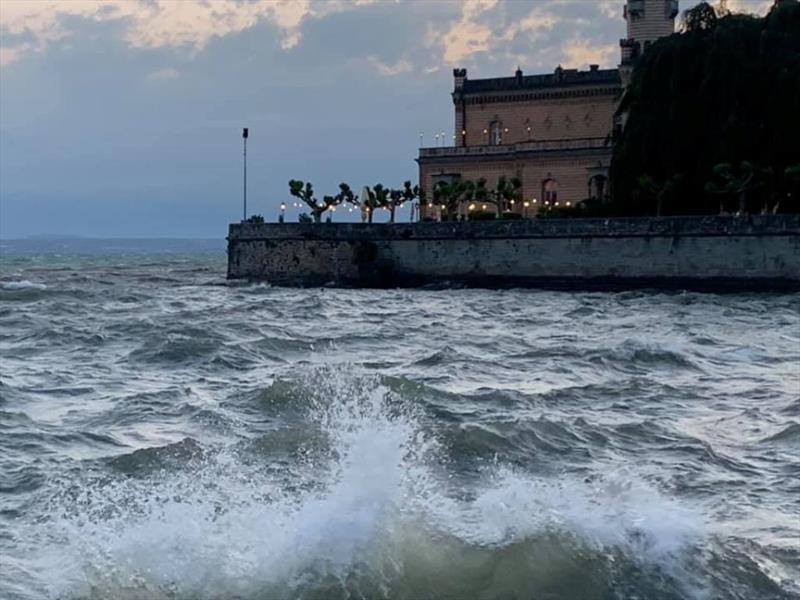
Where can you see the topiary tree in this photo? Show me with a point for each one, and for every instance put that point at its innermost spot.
(305, 192)
(395, 199)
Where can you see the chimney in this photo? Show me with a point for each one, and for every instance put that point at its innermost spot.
(459, 75)
(594, 67)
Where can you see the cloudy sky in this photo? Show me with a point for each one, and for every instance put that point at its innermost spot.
(123, 118)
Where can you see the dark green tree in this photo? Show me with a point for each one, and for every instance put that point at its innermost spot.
(699, 18)
(722, 94)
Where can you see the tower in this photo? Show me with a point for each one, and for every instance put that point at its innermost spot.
(647, 21)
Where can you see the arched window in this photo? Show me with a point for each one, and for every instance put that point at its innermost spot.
(495, 133)
(550, 191)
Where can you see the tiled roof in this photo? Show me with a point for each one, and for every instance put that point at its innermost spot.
(561, 78)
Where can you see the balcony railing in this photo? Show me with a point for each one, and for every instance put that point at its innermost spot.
(499, 149)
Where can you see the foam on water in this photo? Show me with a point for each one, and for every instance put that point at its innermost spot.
(374, 516)
(23, 285)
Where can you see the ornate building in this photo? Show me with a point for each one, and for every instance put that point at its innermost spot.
(552, 131)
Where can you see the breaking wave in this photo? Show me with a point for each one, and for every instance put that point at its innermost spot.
(365, 512)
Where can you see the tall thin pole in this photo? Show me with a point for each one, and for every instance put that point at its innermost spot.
(245, 133)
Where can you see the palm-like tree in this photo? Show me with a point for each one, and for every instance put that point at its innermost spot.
(507, 189)
(449, 196)
(410, 194)
(482, 195)
(736, 181)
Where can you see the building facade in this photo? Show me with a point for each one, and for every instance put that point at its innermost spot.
(553, 131)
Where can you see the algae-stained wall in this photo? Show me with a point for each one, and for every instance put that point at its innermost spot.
(750, 252)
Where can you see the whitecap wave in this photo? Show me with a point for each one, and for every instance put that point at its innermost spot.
(23, 285)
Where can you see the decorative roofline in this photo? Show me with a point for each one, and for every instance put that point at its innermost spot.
(495, 97)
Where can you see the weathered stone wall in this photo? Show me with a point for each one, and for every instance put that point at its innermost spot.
(756, 252)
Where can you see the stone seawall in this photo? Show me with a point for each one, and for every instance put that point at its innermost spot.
(751, 252)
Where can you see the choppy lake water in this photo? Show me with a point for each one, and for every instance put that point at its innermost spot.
(164, 434)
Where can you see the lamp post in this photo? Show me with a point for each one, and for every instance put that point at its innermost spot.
(283, 210)
(245, 133)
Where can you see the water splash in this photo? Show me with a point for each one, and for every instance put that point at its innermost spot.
(371, 515)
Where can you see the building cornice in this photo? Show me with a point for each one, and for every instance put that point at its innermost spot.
(521, 150)
(524, 96)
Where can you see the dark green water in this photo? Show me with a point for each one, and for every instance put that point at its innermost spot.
(166, 435)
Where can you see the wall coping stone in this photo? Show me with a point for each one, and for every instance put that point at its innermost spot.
(691, 226)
